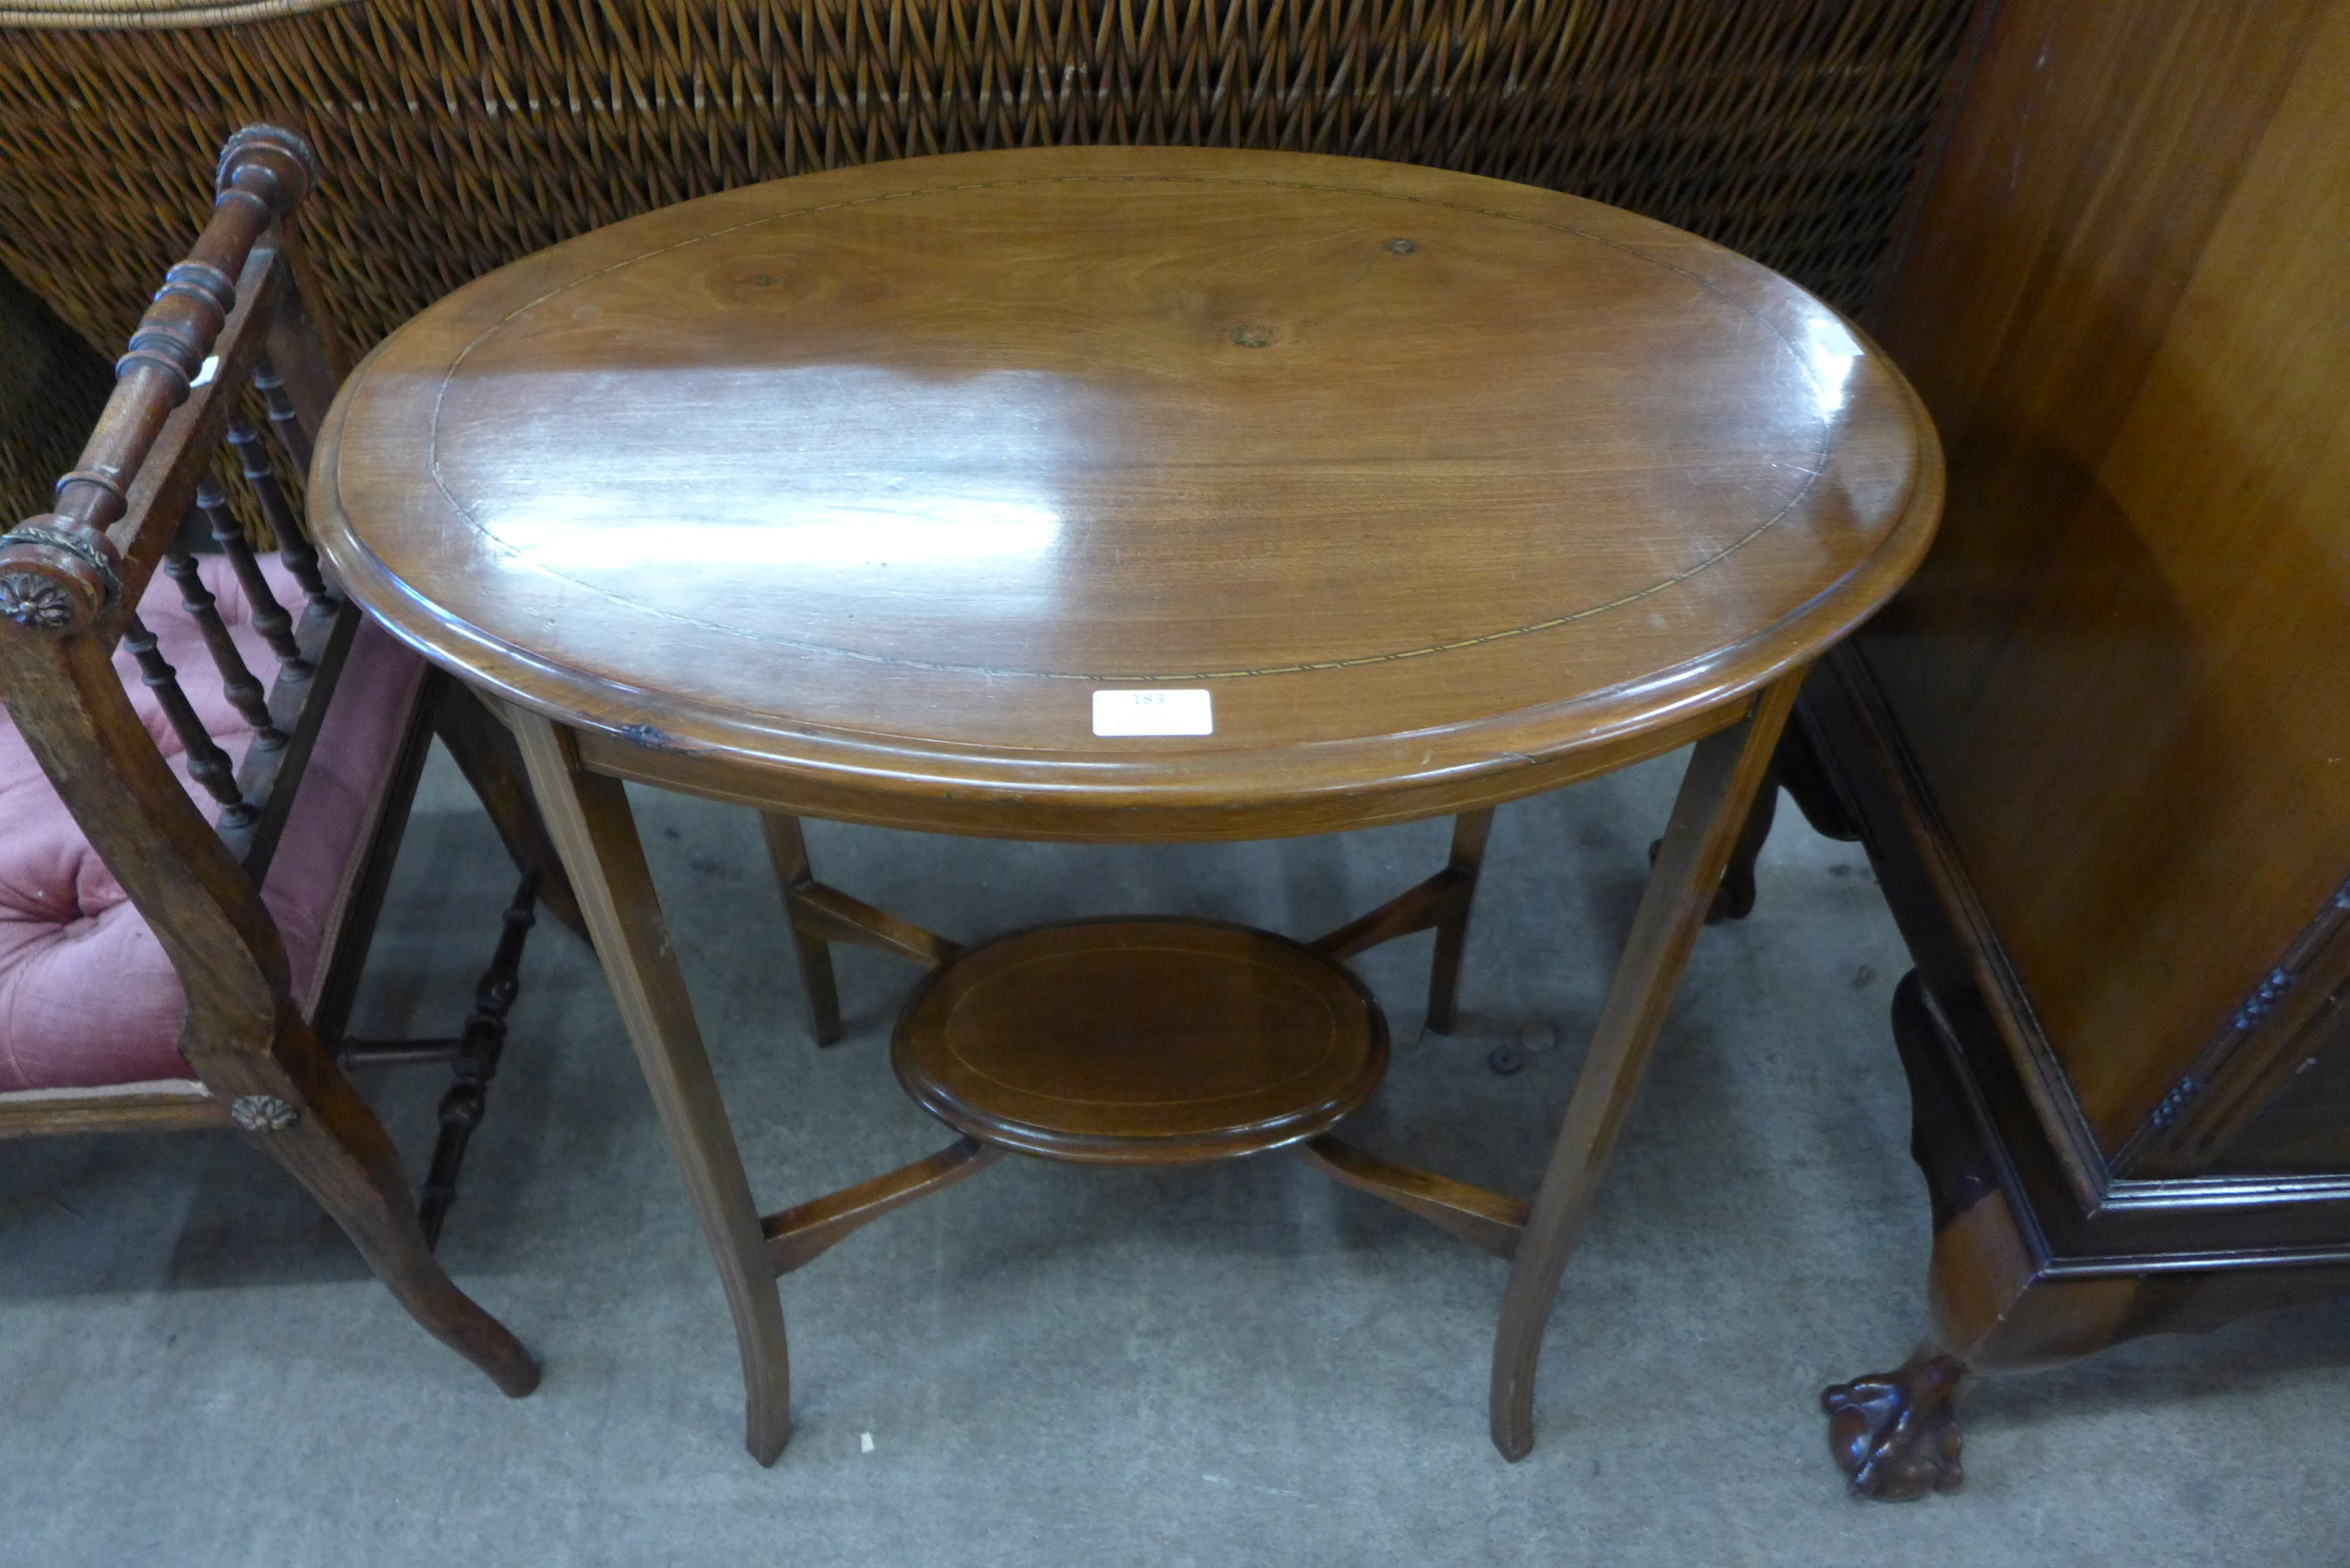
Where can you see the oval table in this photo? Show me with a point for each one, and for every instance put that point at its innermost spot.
(1118, 495)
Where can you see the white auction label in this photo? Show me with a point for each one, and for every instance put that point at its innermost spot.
(1153, 713)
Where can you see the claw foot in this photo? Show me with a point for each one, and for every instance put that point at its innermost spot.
(1895, 1435)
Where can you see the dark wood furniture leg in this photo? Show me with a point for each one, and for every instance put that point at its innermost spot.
(787, 847)
(472, 1053)
(1794, 768)
(1725, 772)
(1999, 1302)
(1442, 902)
(588, 816)
(1895, 1434)
(479, 1046)
(295, 1105)
(1734, 898)
(1800, 772)
(1470, 830)
(820, 915)
(484, 752)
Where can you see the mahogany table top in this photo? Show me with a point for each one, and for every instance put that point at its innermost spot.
(857, 486)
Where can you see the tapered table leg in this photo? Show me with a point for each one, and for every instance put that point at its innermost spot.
(1723, 774)
(588, 817)
(1469, 833)
(787, 848)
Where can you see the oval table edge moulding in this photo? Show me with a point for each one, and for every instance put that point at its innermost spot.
(1334, 493)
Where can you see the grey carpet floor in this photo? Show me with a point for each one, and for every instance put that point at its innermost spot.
(1239, 1365)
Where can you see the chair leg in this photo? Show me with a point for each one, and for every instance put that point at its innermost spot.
(1723, 774)
(1807, 778)
(483, 750)
(1734, 899)
(479, 1046)
(304, 1114)
(787, 848)
(1468, 832)
(588, 816)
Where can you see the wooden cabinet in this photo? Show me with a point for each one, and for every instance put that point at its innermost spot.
(2100, 749)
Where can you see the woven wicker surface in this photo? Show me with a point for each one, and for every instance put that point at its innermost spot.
(457, 135)
(148, 13)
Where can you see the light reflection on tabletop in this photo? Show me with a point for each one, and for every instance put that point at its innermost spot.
(886, 463)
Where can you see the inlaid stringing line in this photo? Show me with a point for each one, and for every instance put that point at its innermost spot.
(1810, 474)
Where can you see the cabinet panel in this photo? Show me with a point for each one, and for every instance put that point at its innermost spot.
(2125, 674)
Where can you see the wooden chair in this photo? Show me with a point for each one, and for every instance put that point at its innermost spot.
(158, 970)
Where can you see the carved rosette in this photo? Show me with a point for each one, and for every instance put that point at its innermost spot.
(57, 574)
(34, 603)
(261, 1113)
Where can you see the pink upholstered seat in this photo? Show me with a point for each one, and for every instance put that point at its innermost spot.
(87, 997)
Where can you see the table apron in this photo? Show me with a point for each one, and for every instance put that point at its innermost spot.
(1040, 817)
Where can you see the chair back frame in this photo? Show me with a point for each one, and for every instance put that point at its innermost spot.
(237, 314)
(70, 579)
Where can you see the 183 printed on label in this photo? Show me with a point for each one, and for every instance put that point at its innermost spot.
(1153, 713)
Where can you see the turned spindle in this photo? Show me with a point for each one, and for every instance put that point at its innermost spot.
(269, 617)
(208, 764)
(238, 683)
(293, 543)
(59, 573)
(283, 419)
(478, 1050)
